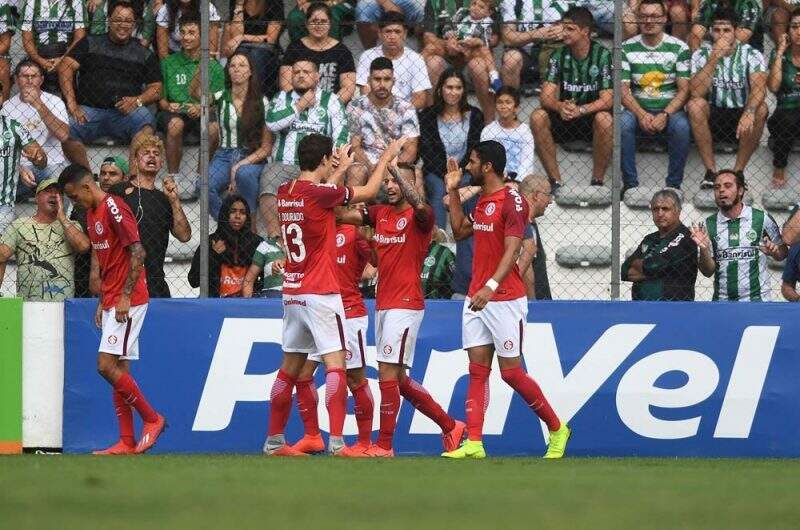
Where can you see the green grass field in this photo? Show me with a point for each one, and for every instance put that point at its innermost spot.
(237, 492)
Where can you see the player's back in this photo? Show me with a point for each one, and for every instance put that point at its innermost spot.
(308, 227)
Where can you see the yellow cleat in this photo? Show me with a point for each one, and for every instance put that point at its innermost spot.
(468, 449)
(558, 442)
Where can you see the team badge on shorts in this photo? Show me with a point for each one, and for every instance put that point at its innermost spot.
(387, 350)
(490, 208)
(98, 228)
(112, 339)
(401, 223)
(508, 345)
(348, 355)
(339, 240)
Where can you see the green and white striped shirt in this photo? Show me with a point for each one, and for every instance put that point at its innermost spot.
(325, 117)
(741, 273)
(731, 84)
(6, 17)
(230, 134)
(13, 138)
(653, 73)
(53, 21)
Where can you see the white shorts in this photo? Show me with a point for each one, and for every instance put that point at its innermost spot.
(498, 323)
(355, 336)
(313, 323)
(396, 335)
(122, 338)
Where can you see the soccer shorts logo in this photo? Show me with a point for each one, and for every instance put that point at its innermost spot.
(387, 350)
(98, 228)
(112, 339)
(490, 208)
(401, 223)
(508, 345)
(348, 355)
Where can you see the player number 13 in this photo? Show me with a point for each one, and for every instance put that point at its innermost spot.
(293, 242)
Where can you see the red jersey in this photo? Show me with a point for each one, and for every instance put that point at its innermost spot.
(401, 241)
(112, 229)
(308, 226)
(496, 216)
(352, 255)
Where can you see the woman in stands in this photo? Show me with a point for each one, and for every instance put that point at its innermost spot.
(168, 35)
(245, 143)
(230, 250)
(254, 29)
(449, 129)
(336, 65)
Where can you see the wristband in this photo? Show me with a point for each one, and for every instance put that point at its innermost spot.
(492, 284)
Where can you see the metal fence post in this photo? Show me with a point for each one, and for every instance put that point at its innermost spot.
(204, 58)
(616, 159)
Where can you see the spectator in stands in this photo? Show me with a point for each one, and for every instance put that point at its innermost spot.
(158, 212)
(791, 274)
(735, 242)
(43, 115)
(602, 12)
(16, 141)
(576, 99)
(791, 229)
(7, 28)
(450, 128)
(118, 78)
(437, 268)
(515, 136)
(727, 87)
(254, 30)
(337, 70)
(467, 38)
(179, 113)
(44, 247)
(244, 141)
(230, 250)
(537, 191)
(378, 118)
(49, 31)
(529, 31)
(370, 15)
(678, 12)
(268, 259)
(784, 82)
(778, 15)
(747, 21)
(664, 265)
(96, 12)
(411, 80)
(168, 36)
(655, 87)
(293, 114)
(341, 12)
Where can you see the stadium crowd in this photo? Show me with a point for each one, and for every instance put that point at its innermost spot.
(128, 71)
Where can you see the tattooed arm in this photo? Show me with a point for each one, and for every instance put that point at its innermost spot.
(412, 195)
(137, 255)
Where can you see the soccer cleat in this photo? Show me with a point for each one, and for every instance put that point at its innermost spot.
(310, 444)
(451, 440)
(352, 451)
(283, 450)
(119, 448)
(150, 433)
(376, 451)
(558, 442)
(468, 449)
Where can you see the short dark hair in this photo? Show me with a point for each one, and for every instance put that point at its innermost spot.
(491, 152)
(189, 18)
(659, 3)
(381, 63)
(71, 174)
(27, 62)
(507, 90)
(725, 14)
(122, 3)
(391, 18)
(580, 16)
(740, 181)
(307, 58)
(312, 149)
(313, 7)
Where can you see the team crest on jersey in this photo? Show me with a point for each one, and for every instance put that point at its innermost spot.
(751, 235)
(112, 339)
(401, 223)
(339, 240)
(429, 261)
(7, 135)
(490, 208)
(594, 70)
(348, 355)
(387, 350)
(98, 228)
(321, 113)
(508, 345)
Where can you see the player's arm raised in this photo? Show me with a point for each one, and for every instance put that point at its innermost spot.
(137, 255)
(369, 191)
(462, 226)
(421, 211)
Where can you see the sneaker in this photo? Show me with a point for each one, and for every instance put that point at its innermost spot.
(468, 449)
(708, 180)
(376, 451)
(495, 86)
(119, 448)
(451, 440)
(624, 190)
(596, 182)
(558, 442)
(310, 444)
(282, 450)
(150, 434)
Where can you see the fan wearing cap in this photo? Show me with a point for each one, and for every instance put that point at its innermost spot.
(44, 247)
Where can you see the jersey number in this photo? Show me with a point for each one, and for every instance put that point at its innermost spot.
(293, 242)
(181, 79)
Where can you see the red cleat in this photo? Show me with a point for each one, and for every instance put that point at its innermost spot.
(119, 448)
(310, 444)
(354, 451)
(451, 440)
(284, 450)
(376, 451)
(150, 433)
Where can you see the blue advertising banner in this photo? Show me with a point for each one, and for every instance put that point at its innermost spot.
(630, 378)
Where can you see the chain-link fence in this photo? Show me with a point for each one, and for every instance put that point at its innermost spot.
(595, 117)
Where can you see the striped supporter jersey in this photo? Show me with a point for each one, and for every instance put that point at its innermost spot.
(230, 133)
(653, 73)
(13, 138)
(580, 80)
(731, 84)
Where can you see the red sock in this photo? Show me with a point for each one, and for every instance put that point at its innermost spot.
(477, 399)
(390, 406)
(526, 387)
(307, 405)
(280, 402)
(125, 419)
(336, 399)
(364, 405)
(127, 387)
(423, 402)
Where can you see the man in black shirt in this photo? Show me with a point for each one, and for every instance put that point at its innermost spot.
(157, 212)
(664, 265)
(118, 77)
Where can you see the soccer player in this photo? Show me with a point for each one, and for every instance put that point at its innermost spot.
(496, 307)
(403, 229)
(118, 265)
(313, 318)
